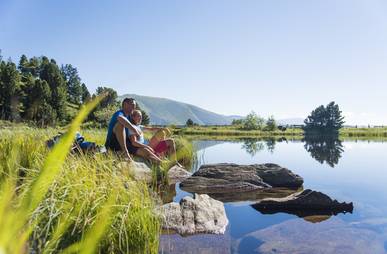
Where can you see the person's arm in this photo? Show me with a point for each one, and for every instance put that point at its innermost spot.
(147, 128)
(133, 140)
(127, 124)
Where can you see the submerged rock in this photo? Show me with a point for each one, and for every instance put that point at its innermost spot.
(200, 214)
(298, 236)
(233, 178)
(195, 244)
(304, 204)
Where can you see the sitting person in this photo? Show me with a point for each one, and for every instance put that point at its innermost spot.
(117, 138)
(157, 147)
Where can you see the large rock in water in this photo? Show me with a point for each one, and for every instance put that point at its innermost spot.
(200, 214)
(277, 176)
(304, 204)
(228, 177)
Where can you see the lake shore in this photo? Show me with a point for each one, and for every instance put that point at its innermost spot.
(293, 133)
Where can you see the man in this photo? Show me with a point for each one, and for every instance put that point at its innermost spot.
(117, 138)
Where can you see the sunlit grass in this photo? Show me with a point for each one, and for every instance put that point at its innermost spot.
(52, 201)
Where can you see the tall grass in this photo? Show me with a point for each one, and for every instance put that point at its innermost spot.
(52, 201)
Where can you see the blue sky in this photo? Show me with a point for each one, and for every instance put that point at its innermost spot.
(275, 57)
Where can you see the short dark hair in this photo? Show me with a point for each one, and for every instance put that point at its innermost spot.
(129, 100)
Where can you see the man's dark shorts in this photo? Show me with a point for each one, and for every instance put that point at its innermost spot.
(114, 145)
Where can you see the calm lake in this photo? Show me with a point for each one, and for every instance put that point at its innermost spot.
(350, 171)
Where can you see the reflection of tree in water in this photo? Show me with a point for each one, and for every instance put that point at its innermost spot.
(252, 146)
(270, 144)
(324, 149)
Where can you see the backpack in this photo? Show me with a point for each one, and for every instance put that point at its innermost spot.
(79, 145)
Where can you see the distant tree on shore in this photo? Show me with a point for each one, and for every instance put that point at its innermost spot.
(189, 122)
(237, 122)
(253, 122)
(324, 120)
(271, 124)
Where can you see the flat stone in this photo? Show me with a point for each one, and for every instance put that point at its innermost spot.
(233, 178)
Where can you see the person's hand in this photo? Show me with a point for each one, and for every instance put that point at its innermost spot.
(150, 148)
(127, 157)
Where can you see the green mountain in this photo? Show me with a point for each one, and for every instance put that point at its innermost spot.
(165, 111)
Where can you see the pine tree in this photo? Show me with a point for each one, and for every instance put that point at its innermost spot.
(10, 87)
(110, 99)
(23, 65)
(324, 120)
(73, 82)
(37, 107)
(85, 93)
(50, 72)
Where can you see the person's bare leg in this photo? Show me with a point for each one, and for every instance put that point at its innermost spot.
(153, 142)
(120, 133)
(172, 150)
(157, 137)
(147, 154)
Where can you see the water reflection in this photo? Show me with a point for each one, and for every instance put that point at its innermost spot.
(270, 144)
(251, 231)
(252, 146)
(324, 149)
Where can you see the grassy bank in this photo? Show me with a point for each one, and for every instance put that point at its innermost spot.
(71, 207)
(233, 131)
(363, 132)
(91, 203)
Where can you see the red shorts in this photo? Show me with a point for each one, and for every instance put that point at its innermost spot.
(161, 147)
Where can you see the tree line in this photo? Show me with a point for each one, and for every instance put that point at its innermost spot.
(37, 89)
(324, 120)
(255, 122)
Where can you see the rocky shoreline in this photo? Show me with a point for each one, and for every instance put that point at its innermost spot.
(270, 187)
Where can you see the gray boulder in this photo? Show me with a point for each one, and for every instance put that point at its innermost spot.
(200, 214)
(277, 176)
(177, 174)
(228, 177)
